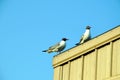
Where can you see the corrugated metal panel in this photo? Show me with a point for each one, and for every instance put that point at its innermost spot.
(76, 69)
(89, 66)
(88, 46)
(104, 62)
(116, 58)
(65, 75)
(57, 73)
(98, 59)
(114, 78)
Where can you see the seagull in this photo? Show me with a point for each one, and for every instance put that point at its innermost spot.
(57, 47)
(86, 36)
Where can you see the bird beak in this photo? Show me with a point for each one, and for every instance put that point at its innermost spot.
(67, 39)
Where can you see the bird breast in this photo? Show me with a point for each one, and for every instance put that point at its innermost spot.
(62, 43)
(87, 33)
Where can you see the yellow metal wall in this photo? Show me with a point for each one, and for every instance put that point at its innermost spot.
(116, 58)
(99, 63)
(89, 66)
(76, 69)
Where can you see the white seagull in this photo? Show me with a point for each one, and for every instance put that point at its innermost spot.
(86, 36)
(57, 47)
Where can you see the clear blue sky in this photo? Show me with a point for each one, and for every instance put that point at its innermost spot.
(29, 26)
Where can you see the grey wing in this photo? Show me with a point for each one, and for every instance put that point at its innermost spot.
(81, 38)
(54, 46)
(89, 37)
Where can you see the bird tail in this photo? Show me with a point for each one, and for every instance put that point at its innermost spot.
(44, 51)
(77, 44)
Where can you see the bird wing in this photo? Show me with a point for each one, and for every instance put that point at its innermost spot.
(81, 38)
(54, 46)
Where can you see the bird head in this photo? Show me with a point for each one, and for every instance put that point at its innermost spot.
(64, 39)
(88, 27)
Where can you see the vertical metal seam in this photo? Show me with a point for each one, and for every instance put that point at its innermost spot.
(69, 64)
(96, 52)
(61, 73)
(82, 67)
(111, 52)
